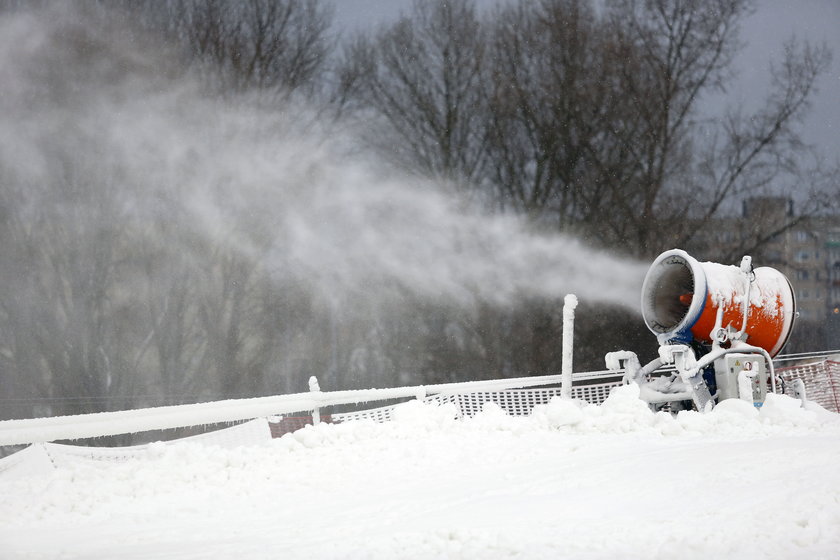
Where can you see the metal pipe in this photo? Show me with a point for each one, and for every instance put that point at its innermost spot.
(569, 304)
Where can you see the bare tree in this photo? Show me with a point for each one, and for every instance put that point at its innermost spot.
(547, 86)
(422, 78)
(595, 120)
(673, 182)
(268, 45)
(761, 151)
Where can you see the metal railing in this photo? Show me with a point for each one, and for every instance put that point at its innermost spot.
(41, 430)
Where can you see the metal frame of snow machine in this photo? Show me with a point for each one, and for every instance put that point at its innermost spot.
(731, 360)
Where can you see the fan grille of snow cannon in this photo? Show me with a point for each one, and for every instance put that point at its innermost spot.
(673, 295)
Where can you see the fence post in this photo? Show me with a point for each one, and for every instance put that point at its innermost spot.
(569, 304)
(315, 388)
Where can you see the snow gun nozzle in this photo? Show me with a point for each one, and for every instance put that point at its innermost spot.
(681, 298)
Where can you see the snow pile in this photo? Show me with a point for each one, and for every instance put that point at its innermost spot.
(571, 480)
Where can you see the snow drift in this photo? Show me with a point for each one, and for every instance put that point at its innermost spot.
(571, 480)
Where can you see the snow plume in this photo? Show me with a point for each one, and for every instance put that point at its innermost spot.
(264, 177)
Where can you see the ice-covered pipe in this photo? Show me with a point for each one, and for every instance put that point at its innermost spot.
(681, 298)
(569, 304)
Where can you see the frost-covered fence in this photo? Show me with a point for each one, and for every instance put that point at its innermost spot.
(44, 457)
(41, 430)
(516, 402)
(822, 381)
(516, 396)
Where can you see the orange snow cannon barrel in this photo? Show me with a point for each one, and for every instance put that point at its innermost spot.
(681, 298)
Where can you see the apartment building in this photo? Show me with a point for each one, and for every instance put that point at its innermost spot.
(806, 250)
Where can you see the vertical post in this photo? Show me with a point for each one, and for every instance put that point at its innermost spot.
(799, 391)
(569, 304)
(315, 388)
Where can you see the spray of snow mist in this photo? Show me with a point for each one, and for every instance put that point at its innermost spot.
(266, 179)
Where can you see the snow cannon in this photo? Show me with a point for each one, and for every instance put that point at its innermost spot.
(684, 300)
(718, 328)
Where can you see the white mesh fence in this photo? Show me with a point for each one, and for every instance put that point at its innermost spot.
(821, 379)
(516, 402)
(822, 382)
(45, 456)
(254, 432)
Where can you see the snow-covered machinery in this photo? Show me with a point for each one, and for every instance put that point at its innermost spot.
(719, 326)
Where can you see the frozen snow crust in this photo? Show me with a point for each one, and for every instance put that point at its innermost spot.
(570, 481)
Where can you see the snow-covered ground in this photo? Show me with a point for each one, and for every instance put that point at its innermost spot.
(569, 481)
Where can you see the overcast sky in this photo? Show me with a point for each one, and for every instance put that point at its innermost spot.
(764, 34)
